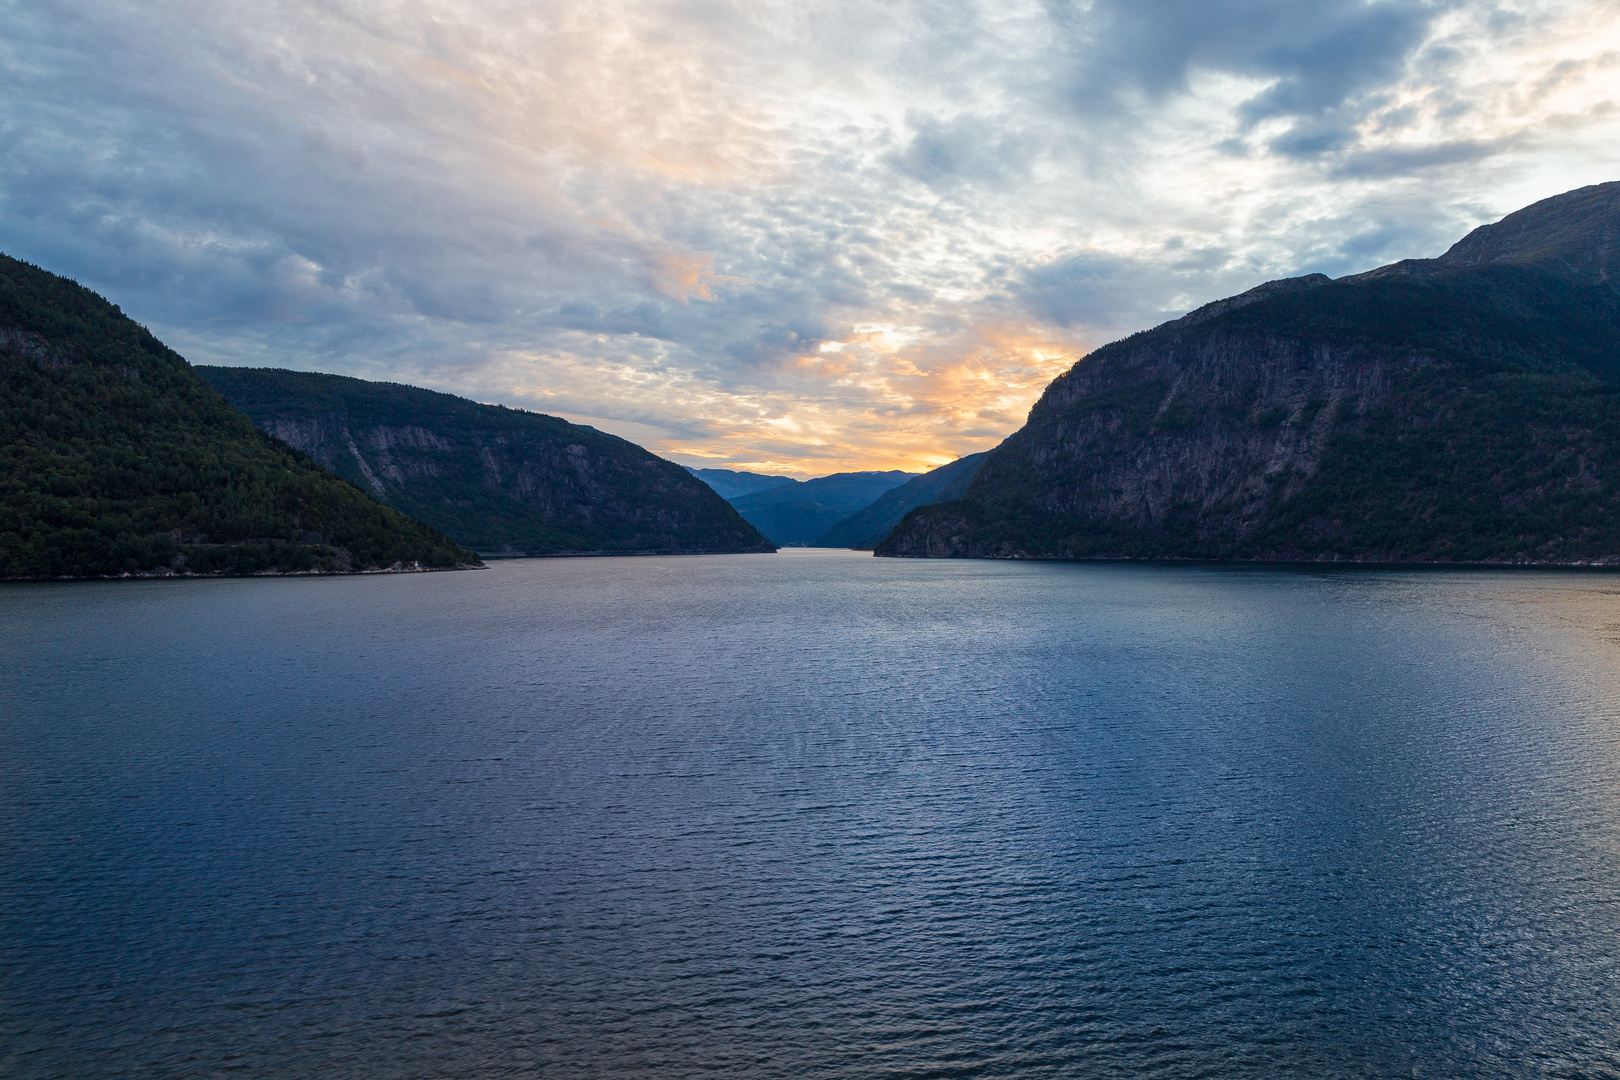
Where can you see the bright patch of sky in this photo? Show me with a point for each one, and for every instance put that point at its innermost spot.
(785, 237)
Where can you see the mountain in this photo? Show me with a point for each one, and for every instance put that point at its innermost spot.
(730, 483)
(496, 479)
(117, 458)
(796, 514)
(867, 527)
(1458, 409)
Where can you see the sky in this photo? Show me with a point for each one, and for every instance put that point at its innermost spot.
(790, 238)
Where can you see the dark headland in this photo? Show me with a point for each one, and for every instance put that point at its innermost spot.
(1463, 409)
(117, 459)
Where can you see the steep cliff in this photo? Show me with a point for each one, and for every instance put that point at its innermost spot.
(1459, 409)
(495, 479)
(116, 458)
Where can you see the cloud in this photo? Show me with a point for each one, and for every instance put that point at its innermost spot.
(964, 149)
(1405, 160)
(1312, 58)
(1095, 287)
(767, 234)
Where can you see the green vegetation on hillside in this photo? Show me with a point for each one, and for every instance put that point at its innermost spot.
(116, 458)
(496, 479)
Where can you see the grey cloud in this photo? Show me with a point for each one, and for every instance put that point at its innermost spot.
(1319, 52)
(1319, 56)
(1111, 295)
(773, 346)
(1102, 291)
(1401, 161)
(1369, 247)
(1344, 49)
(175, 165)
(1313, 139)
(965, 148)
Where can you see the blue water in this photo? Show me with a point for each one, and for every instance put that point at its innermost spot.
(812, 815)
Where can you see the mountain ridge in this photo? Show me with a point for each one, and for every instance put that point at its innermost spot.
(732, 483)
(796, 514)
(1458, 409)
(504, 481)
(865, 528)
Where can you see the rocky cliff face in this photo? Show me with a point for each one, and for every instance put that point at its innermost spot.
(497, 479)
(1465, 408)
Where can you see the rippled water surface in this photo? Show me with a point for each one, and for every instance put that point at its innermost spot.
(812, 815)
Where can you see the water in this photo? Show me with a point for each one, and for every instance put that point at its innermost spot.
(812, 815)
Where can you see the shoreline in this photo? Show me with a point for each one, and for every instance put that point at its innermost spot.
(167, 574)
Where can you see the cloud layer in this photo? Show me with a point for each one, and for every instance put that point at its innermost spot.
(774, 236)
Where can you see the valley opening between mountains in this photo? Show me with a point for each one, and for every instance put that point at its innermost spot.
(1463, 409)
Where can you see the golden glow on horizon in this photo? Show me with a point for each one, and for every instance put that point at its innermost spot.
(930, 403)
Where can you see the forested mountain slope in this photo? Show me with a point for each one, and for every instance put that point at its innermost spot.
(117, 458)
(1459, 409)
(495, 479)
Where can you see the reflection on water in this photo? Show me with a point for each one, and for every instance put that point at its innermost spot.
(812, 815)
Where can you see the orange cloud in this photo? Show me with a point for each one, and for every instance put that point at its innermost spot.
(684, 276)
(911, 407)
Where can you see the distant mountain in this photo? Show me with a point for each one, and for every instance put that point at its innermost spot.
(797, 514)
(865, 528)
(496, 479)
(1458, 409)
(730, 483)
(117, 458)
